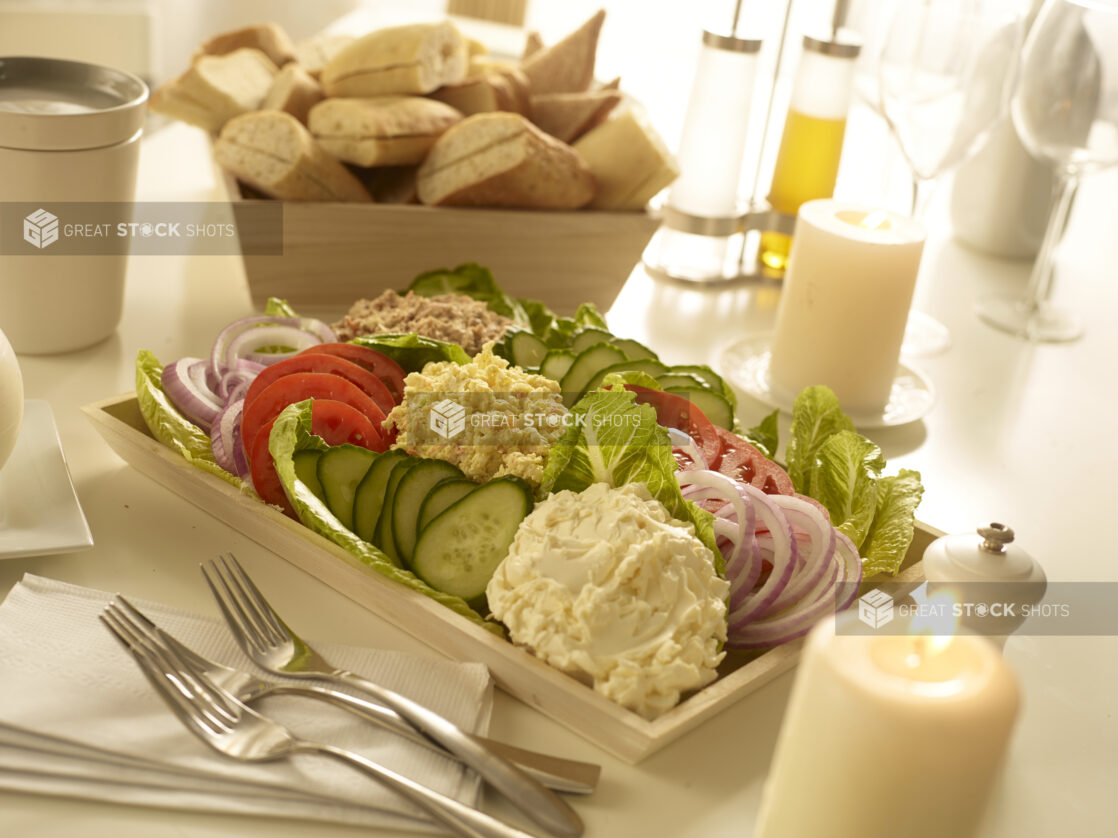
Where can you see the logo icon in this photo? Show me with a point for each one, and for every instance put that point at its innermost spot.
(448, 418)
(875, 609)
(40, 228)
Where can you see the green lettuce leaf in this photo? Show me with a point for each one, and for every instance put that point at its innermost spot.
(634, 377)
(587, 316)
(291, 433)
(816, 417)
(474, 281)
(766, 436)
(893, 523)
(412, 351)
(846, 482)
(172, 428)
(614, 440)
(275, 307)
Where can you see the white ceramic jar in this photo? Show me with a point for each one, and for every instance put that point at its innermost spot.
(69, 133)
(11, 399)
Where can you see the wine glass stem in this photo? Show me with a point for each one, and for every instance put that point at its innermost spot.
(922, 190)
(1040, 281)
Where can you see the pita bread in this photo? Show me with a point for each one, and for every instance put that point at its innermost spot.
(568, 65)
(567, 116)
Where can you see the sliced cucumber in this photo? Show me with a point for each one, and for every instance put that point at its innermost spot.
(649, 366)
(634, 350)
(340, 470)
(526, 349)
(460, 549)
(369, 498)
(408, 499)
(443, 495)
(710, 378)
(556, 363)
(385, 539)
(585, 338)
(713, 405)
(681, 379)
(306, 462)
(588, 364)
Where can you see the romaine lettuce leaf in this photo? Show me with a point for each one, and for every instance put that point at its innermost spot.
(845, 482)
(634, 377)
(766, 436)
(412, 351)
(172, 428)
(474, 281)
(614, 440)
(275, 307)
(292, 432)
(892, 529)
(816, 416)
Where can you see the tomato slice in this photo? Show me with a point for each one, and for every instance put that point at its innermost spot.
(674, 411)
(331, 364)
(744, 462)
(336, 422)
(379, 364)
(306, 385)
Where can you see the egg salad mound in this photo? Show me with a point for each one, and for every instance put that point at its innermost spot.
(486, 417)
(604, 584)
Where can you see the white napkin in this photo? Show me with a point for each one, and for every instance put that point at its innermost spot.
(78, 718)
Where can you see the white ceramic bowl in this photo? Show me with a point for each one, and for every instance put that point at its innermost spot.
(11, 399)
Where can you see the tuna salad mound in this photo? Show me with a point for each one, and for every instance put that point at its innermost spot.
(454, 318)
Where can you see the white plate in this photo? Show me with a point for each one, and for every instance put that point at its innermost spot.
(39, 510)
(746, 364)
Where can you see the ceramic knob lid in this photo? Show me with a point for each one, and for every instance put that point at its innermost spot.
(990, 555)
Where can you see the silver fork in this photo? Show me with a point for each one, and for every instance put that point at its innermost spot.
(231, 727)
(267, 640)
(565, 775)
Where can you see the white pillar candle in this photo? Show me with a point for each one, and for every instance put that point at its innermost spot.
(889, 735)
(845, 302)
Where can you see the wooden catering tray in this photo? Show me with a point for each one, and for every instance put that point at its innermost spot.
(607, 725)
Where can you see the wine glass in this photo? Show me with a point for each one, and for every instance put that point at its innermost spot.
(1065, 110)
(944, 75)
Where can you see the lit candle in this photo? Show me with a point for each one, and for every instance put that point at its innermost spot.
(845, 302)
(889, 735)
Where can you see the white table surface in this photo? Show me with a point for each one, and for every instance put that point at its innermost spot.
(1021, 434)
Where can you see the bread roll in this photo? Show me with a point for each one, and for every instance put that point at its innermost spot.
(503, 160)
(293, 91)
(217, 88)
(567, 116)
(269, 38)
(630, 161)
(568, 65)
(315, 52)
(411, 59)
(381, 130)
(504, 90)
(272, 152)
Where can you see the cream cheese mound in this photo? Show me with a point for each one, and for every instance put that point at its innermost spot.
(604, 584)
(491, 418)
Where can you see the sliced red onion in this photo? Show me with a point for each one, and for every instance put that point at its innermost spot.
(249, 344)
(228, 448)
(846, 554)
(682, 440)
(187, 390)
(221, 358)
(783, 557)
(812, 532)
(237, 378)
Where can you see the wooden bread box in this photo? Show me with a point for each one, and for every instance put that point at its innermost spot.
(336, 253)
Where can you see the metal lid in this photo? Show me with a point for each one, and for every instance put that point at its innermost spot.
(48, 104)
(837, 49)
(730, 43)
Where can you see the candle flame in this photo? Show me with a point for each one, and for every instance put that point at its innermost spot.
(876, 220)
(935, 623)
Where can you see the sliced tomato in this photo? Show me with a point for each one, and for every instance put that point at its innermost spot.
(307, 385)
(331, 364)
(674, 411)
(337, 423)
(742, 461)
(379, 364)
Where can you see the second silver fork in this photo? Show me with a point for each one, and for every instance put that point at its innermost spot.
(275, 648)
(558, 774)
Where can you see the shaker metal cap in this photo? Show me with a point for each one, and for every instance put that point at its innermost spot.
(49, 104)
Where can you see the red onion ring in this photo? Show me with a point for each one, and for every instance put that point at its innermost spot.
(185, 385)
